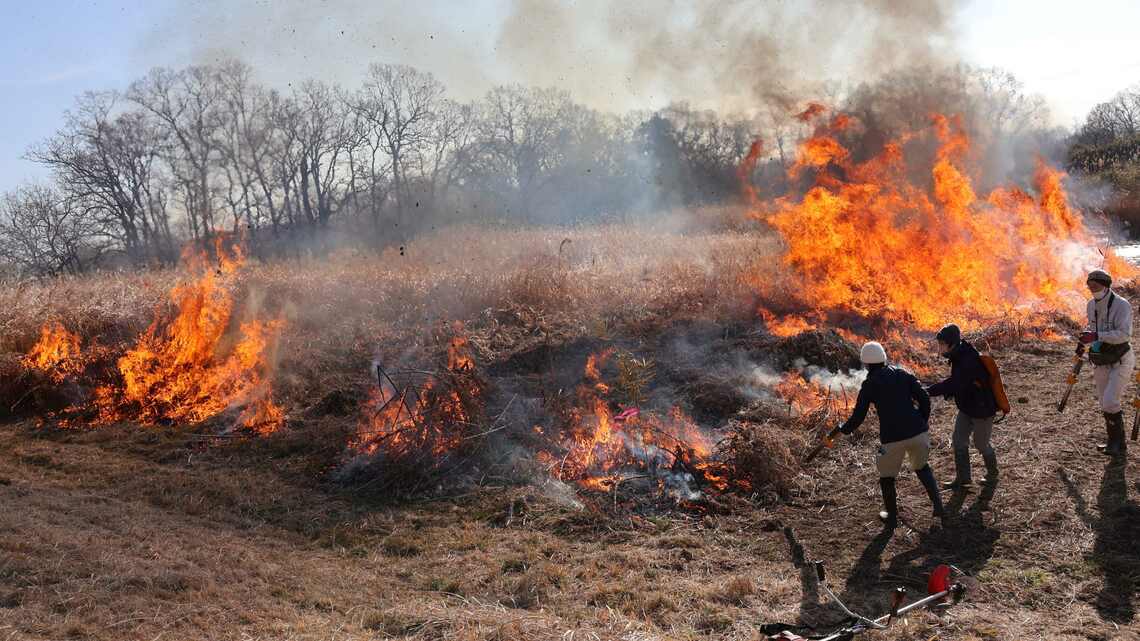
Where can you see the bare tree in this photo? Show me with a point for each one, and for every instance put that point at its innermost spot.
(524, 139)
(108, 161)
(325, 139)
(1112, 121)
(44, 233)
(399, 104)
(188, 104)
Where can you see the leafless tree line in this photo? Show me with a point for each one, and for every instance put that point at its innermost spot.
(184, 154)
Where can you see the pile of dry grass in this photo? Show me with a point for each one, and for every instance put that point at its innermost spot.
(758, 456)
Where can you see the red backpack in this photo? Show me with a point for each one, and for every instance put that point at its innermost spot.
(996, 385)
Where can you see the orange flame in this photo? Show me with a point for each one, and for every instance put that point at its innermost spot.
(599, 445)
(426, 420)
(176, 373)
(867, 239)
(56, 353)
(785, 326)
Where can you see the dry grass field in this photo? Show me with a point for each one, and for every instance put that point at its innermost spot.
(176, 532)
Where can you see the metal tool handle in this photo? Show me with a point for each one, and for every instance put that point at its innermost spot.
(1136, 420)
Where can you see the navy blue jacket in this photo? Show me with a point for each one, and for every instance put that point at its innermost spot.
(894, 392)
(969, 383)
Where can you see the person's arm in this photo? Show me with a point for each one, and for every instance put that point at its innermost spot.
(862, 404)
(920, 395)
(948, 387)
(1120, 317)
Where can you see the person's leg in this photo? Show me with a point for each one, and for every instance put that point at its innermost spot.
(890, 514)
(1101, 376)
(918, 451)
(961, 444)
(1117, 378)
(887, 462)
(983, 435)
(1120, 378)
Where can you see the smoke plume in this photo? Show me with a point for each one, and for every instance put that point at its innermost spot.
(735, 55)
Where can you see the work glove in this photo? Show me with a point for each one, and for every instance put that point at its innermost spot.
(1088, 337)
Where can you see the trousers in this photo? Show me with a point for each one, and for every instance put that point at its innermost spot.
(890, 457)
(981, 429)
(1112, 380)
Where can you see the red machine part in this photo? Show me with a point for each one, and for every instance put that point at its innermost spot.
(939, 580)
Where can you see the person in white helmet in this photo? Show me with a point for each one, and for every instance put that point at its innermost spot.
(903, 407)
(1108, 339)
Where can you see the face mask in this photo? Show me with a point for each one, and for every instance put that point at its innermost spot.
(1101, 294)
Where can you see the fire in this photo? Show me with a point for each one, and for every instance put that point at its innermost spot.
(56, 353)
(177, 371)
(869, 239)
(798, 392)
(785, 326)
(429, 420)
(599, 446)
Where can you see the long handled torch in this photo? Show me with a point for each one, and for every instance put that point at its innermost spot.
(1078, 363)
(828, 441)
(1136, 420)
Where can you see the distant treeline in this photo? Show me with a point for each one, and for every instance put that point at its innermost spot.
(184, 154)
(1107, 147)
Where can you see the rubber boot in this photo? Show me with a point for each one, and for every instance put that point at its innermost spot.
(990, 458)
(1109, 448)
(926, 476)
(1114, 424)
(890, 514)
(961, 471)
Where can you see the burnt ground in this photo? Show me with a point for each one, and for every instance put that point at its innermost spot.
(128, 533)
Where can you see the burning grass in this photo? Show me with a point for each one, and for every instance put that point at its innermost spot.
(904, 237)
(185, 368)
(510, 560)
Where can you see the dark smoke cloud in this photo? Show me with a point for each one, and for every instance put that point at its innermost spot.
(731, 55)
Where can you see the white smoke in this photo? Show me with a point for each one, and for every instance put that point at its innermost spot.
(837, 383)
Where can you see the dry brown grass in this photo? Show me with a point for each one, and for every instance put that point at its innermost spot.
(124, 533)
(344, 310)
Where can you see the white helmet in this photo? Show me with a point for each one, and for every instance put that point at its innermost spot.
(873, 353)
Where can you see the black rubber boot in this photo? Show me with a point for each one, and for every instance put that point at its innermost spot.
(890, 514)
(926, 476)
(1109, 448)
(990, 458)
(1115, 426)
(961, 471)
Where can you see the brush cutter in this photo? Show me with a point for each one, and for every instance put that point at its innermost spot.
(1078, 363)
(941, 593)
(828, 441)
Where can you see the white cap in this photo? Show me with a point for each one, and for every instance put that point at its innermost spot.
(873, 353)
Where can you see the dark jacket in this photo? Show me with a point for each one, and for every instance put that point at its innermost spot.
(894, 392)
(969, 383)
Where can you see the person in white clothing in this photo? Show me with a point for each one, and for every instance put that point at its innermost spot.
(1108, 339)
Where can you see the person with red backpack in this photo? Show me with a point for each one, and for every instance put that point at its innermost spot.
(969, 386)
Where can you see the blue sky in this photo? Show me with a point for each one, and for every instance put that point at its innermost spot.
(53, 50)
